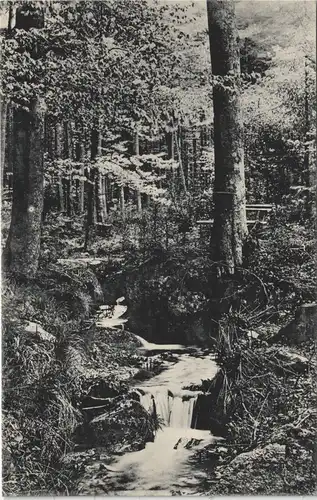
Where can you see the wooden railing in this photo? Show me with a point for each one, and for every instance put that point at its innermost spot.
(260, 211)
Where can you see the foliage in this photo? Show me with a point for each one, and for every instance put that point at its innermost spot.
(98, 58)
(285, 261)
(264, 397)
(47, 376)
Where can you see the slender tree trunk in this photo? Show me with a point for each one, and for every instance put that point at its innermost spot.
(10, 19)
(22, 249)
(306, 172)
(50, 139)
(91, 185)
(80, 155)
(9, 149)
(137, 153)
(122, 201)
(171, 155)
(68, 179)
(82, 191)
(195, 159)
(230, 227)
(58, 155)
(180, 161)
(103, 197)
(3, 132)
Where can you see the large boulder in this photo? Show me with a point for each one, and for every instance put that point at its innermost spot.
(254, 472)
(285, 465)
(269, 470)
(302, 328)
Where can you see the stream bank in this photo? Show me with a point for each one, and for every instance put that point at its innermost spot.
(164, 409)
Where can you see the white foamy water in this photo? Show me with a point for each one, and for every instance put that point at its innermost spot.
(150, 346)
(163, 467)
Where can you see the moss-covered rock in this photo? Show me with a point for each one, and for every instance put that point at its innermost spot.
(269, 470)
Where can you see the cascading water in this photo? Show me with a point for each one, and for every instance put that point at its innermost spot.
(163, 466)
(173, 411)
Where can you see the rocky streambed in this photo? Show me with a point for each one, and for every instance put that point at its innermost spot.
(166, 464)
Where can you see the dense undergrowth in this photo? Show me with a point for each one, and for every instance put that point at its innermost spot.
(264, 394)
(54, 359)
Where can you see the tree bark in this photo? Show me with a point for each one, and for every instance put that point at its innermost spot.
(230, 227)
(22, 251)
(23, 244)
(80, 153)
(58, 155)
(50, 139)
(10, 19)
(306, 172)
(101, 195)
(180, 161)
(122, 201)
(3, 131)
(171, 155)
(68, 179)
(91, 185)
(137, 153)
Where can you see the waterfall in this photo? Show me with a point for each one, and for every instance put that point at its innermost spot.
(182, 413)
(164, 465)
(173, 411)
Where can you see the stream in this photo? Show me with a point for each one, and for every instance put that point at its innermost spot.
(166, 466)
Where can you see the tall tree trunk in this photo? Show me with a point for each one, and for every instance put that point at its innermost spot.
(58, 155)
(10, 19)
(8, 163)
(171, 155)
(122, 201)
(68, 179)
(101, 195)
(91, 185)
(180, 160)
(137, 153)
(22, 250)
(195, 159)
(80, 154)
(23, 244)
(3, 132)
(306, 173)
(230, 227)
(50, 139)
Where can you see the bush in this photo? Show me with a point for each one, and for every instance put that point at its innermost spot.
(285, 260)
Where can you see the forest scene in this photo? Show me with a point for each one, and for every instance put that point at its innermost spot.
(158, 168)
